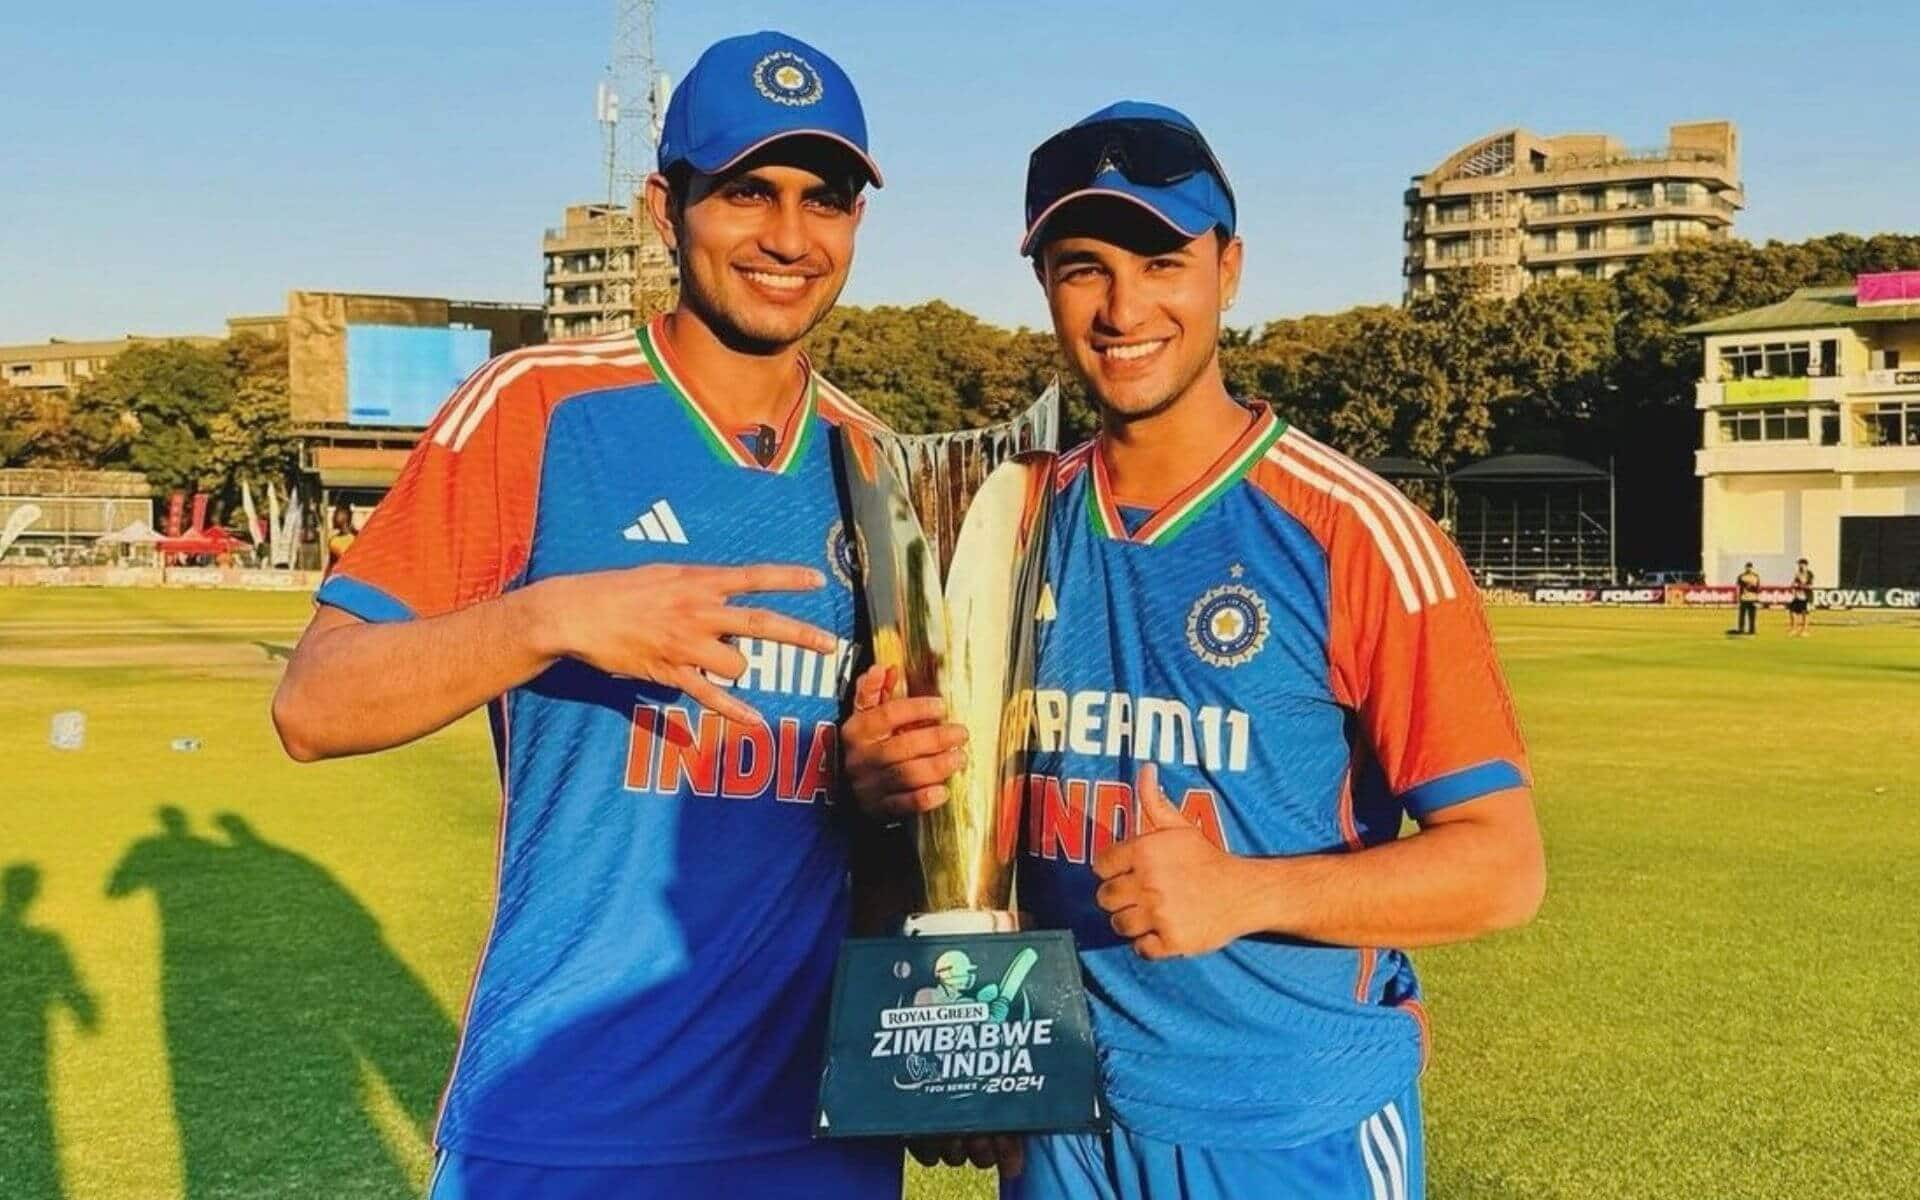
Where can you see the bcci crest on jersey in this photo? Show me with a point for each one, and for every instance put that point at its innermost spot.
(979, 1032)
(1228, 625)
(841, 556)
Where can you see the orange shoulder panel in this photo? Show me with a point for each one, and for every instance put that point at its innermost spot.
(458, 524)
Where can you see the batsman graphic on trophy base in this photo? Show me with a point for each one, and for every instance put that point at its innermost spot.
(965, 1023)
(957, 975)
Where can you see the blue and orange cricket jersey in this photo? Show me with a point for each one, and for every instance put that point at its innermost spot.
(671, 886)
(1303, 654)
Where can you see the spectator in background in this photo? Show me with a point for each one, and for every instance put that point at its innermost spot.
(1749, 596)
(342, 535)
(1801, 602)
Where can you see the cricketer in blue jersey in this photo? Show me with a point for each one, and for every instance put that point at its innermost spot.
(1255, 659)
(646, 1017)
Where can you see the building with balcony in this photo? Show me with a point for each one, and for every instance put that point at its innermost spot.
(1518, 208)
(606, 270)
(1810, 442)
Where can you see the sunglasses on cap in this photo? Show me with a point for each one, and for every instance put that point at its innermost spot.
(1151, 153)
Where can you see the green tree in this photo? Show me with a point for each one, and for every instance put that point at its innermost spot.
(37, 429)
(152, 410)
(932, 366)
(1553, 355)
(251, 439)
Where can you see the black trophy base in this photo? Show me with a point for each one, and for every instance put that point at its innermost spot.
(959, 1033)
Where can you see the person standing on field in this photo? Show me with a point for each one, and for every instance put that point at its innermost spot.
(1318, 669)
(630, 549)
(1748, 585)
(1802, 600)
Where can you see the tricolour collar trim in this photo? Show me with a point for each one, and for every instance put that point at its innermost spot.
(793, 438)
(1180, 511)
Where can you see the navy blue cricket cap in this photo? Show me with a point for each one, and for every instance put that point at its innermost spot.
(1190, 207)
(748, 91)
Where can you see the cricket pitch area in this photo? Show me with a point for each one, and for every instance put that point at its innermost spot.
(223, 974)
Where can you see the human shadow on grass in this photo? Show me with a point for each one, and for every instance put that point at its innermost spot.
(281, 1001)
(37, 980)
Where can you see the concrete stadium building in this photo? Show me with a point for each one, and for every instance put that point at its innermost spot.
(367, 373)
(1519, 208)
(1810, 444)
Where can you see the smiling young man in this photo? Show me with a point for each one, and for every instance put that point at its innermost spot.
(1259, 660)
(647, 1015)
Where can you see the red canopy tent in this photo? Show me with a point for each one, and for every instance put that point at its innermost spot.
(214, 541)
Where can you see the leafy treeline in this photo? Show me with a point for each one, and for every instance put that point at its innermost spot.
(197, 417)
(1597, 370)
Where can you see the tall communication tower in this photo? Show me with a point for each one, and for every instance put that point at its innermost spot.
(630, 105)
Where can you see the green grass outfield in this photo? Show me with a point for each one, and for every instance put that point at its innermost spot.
(1716, 1001)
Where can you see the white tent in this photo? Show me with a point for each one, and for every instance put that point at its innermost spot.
(137, 534)
(135, 543)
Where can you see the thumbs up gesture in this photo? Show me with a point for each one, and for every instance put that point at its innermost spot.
(1167, 888)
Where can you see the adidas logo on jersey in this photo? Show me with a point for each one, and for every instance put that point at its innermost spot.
(657, 524)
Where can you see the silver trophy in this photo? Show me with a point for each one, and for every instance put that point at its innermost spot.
(951, 530)
(966, 1022)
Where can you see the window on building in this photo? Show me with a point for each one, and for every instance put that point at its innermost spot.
(1640, 195)
(1679, 193)
(1642, 233)
(17, 370)
(1764, 425)
(1785, 425)
(1786, 361)
(1589, 270)
(1895, 423)
(1451, 213)
(1544, 241)
(1766, 360)
(1543, 204)
(1589, 237)
(1594, 199)
(1830, 427)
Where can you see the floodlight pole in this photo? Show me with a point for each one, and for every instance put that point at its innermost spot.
(1613, 527)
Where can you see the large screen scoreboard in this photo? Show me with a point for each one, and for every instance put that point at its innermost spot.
(399, 375)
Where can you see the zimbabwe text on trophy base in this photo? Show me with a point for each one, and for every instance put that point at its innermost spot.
(963, 1023)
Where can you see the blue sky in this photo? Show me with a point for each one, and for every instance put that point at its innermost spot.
(166, 165)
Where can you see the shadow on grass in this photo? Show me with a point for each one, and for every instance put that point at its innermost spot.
(280, 1000)
(275, 652)
(37, 979)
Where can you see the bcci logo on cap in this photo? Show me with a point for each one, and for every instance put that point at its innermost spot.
(1228, 625)
(785, 78)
